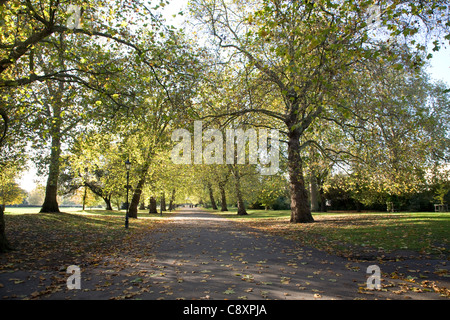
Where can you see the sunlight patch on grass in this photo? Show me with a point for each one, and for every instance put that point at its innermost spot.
(423, 232)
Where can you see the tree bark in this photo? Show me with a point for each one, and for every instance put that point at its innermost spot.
(152, 206)
(84, 197)
(50, 204)
(223, 204)
(4, 243)
(163, 202)
(172, 200)
(133, 209)
(99, 192)
(240, 202)
(300, 211)
(211, 196)
(108, 203)
(5, 118)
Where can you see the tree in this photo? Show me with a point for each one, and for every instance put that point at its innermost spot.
(95, 162)
(303, 53)
(222, 179)
(440, 183)
(163, 103)
(236, 171)
(24, 26)
(12, 160)
(36, 196)
(10, 193)
(40, 32)
(271, 189)
(86, 197)
(396, 146)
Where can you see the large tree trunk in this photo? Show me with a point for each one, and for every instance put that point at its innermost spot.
(99, 192)
(84, 197)
(300, 211)
(240, 202)
(172, 200)
(211, 196)
(152, 206)
(50, 204)
(163, 201)
(133, 209)
(223, 203)
(107, 200)
(4, 244)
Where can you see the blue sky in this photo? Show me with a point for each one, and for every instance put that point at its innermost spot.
(440, 65)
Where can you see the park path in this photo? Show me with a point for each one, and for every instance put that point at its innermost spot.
(209, 257)
(198, 255)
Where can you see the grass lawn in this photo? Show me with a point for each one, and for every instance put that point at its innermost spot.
(425, 233)
(47, 241)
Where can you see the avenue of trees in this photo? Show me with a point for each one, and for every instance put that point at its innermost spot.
(88, 85)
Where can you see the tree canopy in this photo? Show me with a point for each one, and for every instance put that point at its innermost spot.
(86, 86)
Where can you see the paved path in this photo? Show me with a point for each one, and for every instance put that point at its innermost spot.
(197, 255)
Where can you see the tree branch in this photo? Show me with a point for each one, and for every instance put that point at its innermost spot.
(6, 122)
(272, 114)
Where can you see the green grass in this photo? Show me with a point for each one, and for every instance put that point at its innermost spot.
(48, 240)
(424, 233)
(75, 210)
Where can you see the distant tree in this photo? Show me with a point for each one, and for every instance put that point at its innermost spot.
(36, 196)
(11, 193)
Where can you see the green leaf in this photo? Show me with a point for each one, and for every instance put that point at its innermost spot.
(229, 291)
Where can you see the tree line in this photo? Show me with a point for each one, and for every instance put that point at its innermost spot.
(350, 98)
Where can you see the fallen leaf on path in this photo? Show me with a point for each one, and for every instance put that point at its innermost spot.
(229, 291)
